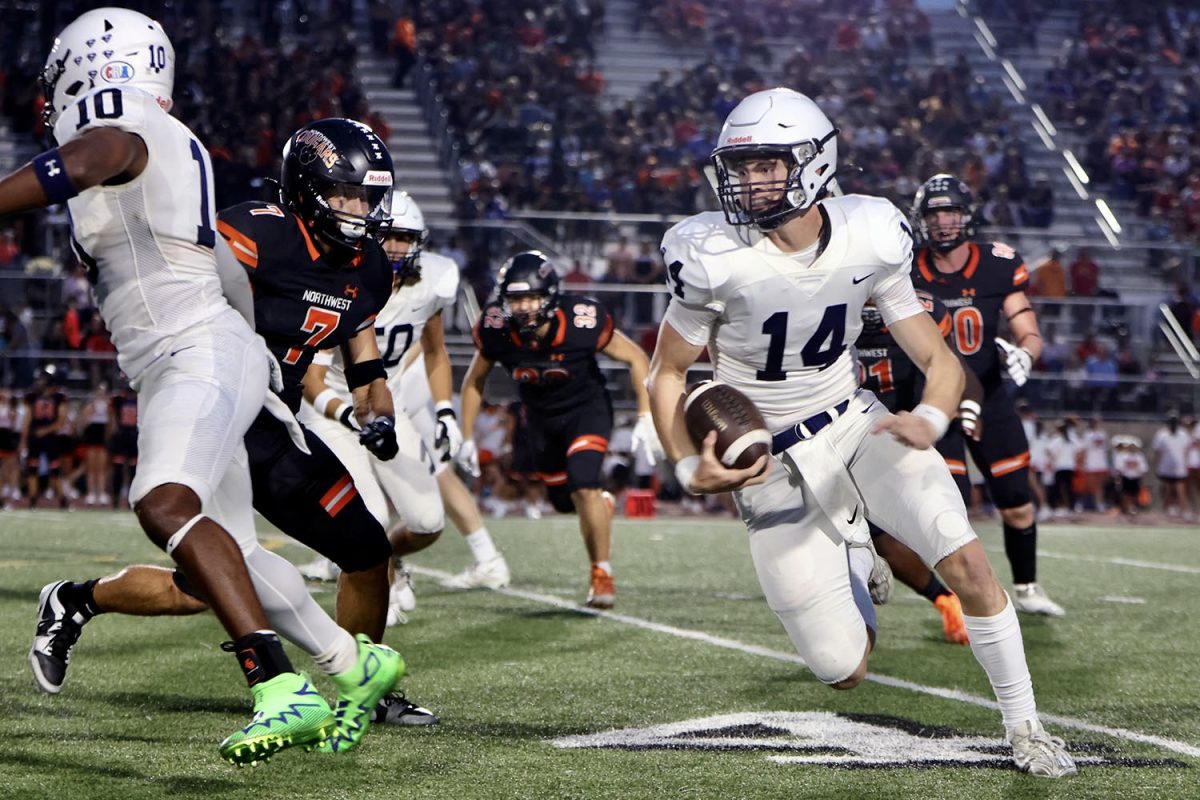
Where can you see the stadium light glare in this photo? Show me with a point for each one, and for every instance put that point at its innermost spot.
(1044, 119)
(1108, 215)
(1076, 167)
(985, 30)
(1012, 73)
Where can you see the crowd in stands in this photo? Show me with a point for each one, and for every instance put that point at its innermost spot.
(523, 102)
(1128, 82)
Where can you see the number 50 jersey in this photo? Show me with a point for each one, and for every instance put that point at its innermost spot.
(777, 324)
(147, 243)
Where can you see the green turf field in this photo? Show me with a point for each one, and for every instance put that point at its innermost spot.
(690, 689)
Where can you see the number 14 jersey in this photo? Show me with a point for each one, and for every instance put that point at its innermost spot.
(778, 325)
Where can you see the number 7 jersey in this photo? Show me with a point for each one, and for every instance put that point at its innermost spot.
(778, 325)
(147, 243)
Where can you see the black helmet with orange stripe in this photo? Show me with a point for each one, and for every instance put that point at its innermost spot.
(528, 274)
(943, 213)
(337, 177)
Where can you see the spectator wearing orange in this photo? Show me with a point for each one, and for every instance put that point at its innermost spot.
(1049, 276)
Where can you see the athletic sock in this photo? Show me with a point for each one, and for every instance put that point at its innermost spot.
(482, 547)
(934, 589)
(999, 649)
(1020, 545)
(81, 596)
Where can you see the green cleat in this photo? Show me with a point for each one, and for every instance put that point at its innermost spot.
(288, 712)
(378, 671)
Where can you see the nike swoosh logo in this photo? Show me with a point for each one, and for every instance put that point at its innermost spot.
(180, 350)
(853, 516)
(868, 408)
(863, 278)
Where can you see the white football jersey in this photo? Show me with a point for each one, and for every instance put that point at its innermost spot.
(401, 322)
(780, 326)
(148, 244)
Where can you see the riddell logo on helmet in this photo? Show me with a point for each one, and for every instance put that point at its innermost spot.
(117, 72)
(740, 139)
(377, 177)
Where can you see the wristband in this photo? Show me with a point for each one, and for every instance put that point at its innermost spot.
(363, 372)
(970, 407)
(934, 416)
(443, 408)
(685, 468)
(51, 172)
(321, 401)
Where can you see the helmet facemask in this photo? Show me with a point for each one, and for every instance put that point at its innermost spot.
(944, 237)
(746, 201)
(408, 266)
(526, 322)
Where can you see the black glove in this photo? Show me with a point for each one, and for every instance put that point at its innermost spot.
(380, 438)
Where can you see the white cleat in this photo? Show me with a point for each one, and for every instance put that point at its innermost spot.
(1031, 598)
(491, 574)
(1039, 753)
(320, 569)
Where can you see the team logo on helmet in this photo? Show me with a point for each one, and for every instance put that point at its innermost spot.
(117, 72)
(314, 146)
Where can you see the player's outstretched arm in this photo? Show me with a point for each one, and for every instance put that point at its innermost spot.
(366, 377)
(697, 473)
(472, 399)
(621, 348)
(97, 156)
(921, 340)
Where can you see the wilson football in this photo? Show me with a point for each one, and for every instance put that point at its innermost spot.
(742, 435)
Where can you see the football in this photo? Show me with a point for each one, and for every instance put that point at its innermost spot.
(742, 435)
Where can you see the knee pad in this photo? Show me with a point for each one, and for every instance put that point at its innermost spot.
(560, 499)
(1011, 490)
(177, 536)
(833, 652)
(585, 470)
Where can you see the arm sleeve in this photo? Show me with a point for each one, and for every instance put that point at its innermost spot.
(897, 300)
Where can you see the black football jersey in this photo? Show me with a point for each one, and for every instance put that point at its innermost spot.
(559, 371)
(303, 302)
(975, 296)
(43, 408)
(886, 369)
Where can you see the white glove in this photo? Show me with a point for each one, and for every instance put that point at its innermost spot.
(468, 458)
(1017, 360)
(645, 439)
(276, 372)
(448, 437)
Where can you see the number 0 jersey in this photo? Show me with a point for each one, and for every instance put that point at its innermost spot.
(777, 324)
(401, 322)
(559, 372)
(303, 302)
(975, 296)
(147, 243)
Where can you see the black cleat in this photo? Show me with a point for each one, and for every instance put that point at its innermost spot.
(58, 628)
(395, 709)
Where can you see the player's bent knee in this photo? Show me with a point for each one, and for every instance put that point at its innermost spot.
(1021, 516)
(838, 670)
(372, 555)
(168, 512)
(560, 499)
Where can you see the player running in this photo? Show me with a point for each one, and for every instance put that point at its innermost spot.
(774, 286)
(980, 283)
(549, 341)
(138, 186)
(319, 278)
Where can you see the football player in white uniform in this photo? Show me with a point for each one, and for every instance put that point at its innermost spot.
(418, 480)
(139, 188)
(774, 286)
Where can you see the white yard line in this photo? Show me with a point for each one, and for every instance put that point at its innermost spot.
(791, 658)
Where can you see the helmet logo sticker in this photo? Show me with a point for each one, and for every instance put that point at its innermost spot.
(377, 177)
(740, 139)
(317, 146)
(117, 72)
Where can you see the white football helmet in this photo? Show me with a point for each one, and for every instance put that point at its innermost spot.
(775, 123)
(108, 47)
(406, 220)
